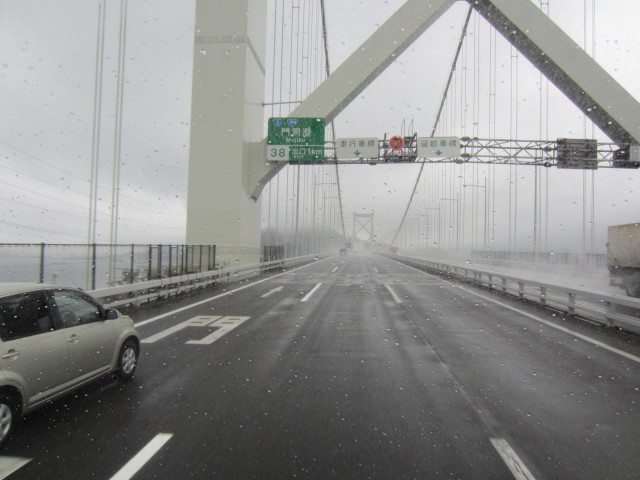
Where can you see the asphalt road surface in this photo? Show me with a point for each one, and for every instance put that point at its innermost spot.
(350, 367)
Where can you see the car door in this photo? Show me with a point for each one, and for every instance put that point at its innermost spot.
(91, 339)
(32, 354)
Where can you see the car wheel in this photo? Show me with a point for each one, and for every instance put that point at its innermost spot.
(7, 417)
(127, 360)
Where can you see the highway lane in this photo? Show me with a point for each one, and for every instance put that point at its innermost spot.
(354, 367)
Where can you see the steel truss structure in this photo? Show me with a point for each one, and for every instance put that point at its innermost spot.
(541, 153)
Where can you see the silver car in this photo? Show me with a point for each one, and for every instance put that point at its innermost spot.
(54, 340)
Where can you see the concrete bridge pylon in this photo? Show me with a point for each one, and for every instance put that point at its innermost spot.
(226, 119)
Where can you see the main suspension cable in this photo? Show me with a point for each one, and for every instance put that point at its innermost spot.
(435, 125)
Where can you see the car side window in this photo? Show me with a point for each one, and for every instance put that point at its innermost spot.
(24, 315)
(75, 310)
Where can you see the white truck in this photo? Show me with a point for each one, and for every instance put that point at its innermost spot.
(623, 257)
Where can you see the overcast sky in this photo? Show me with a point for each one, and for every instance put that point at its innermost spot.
(47, 73)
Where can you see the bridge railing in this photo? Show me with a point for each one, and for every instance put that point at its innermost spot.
(120, 274)
(93, 266)
(607, 309)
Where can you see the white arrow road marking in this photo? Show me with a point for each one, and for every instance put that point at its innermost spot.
(200, 321)
(8, 465)
(225, 325)
(515, 465)
(136, 463)
(271, 292)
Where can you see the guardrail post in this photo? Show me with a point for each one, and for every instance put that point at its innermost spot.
(42, 262)
(490, 278)
(132, 263)
(149, 262)
(504, 285)
(521, 290)
(93, 267)
(610, 309)
(160, 261)
(571, 304)
(543, 295)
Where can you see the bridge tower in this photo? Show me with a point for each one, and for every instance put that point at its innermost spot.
(363, 223)
(226, 117)
(227, 165)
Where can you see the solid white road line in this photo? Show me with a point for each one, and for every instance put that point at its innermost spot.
(515, 465)
(308, 295)
(587, 339)
(136, 463)
(393, 294)
(8, 465)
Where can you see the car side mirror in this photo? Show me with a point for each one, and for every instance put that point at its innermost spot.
(112, 314)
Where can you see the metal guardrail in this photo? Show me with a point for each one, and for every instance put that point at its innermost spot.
(138, 293)
(598, 260)
(606, 309)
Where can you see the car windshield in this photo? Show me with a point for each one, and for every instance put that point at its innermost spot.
(319, 239)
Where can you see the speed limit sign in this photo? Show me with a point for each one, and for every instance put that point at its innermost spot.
(396, 142)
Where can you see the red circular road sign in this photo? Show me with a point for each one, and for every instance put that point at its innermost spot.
(396, 142)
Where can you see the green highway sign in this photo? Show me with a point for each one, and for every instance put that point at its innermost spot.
(438, 147)
(357, 148)
(299, 140)
(296, 131)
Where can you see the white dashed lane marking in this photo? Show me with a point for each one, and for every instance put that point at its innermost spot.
(8, 465)
(136, 463)
(393, 295)
(515, 465)
(308, 295)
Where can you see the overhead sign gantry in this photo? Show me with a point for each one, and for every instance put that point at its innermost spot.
(301, 141)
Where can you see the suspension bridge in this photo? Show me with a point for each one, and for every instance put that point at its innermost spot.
(345, 266)
(529, 127)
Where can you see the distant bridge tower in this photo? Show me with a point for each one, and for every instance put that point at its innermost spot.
(226, 117)
(363, 222)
